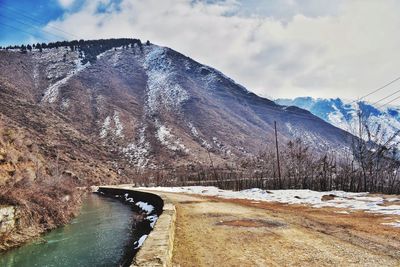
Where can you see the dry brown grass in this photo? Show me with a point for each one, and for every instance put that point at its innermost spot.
(27, 182)
(41, 207)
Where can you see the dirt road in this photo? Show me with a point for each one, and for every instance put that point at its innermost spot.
(219, 232)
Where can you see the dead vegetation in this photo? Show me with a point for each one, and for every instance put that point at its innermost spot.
(40, 207)
(44, 198)
(300, 168)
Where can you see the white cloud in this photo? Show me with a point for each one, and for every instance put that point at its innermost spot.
(66, 3)
(292, 48)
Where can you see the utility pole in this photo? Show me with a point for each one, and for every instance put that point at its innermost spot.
(277, 157)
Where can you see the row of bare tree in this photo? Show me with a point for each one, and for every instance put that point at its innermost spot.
(370, 164)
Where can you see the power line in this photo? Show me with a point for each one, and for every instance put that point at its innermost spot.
(18, 29)
(37, 27)
(386, 97)
(20, 13)
(377, 90)
(391, 101)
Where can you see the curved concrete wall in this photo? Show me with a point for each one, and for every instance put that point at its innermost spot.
(157, 249)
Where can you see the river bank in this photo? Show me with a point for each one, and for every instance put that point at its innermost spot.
(148, 207)
(37, 209)
(100, 235)
(142, 211)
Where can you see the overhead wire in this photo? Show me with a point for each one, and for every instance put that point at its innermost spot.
(25, 15)
(35, 26)
(376, 90)
(386, 97)
(21, 30)
(391, 101)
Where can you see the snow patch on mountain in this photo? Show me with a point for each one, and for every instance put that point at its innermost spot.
(138, 153)
(36, 75)
(163, 89)
(196, 134)
(51, 93)
(65, 102)
(167, 139)
(60, 69)
(112, 125)
(307, 137)
(118, 125)
(105, 128)
(383, 122)
(115, 58)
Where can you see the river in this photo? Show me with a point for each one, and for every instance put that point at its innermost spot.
(99, 236)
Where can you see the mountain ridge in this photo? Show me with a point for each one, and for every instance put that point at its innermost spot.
(152, 106)
(344, 113)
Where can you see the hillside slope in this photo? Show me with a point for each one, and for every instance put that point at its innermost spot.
(147, 106)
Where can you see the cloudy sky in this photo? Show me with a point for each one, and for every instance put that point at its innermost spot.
(276, 48)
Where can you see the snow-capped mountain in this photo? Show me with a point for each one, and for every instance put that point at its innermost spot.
(149, 105)
(344, 114)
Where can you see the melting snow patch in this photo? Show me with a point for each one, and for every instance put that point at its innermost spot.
(393, 224)
(342, 212)
(145, 206)
(344, 200)
(167, 139)
(140, 242)
(162, 87)
(51, 93)
(65, 103)
(195, 133)
(153, 219)
(138, 154)
(118, 125)
(106, 127)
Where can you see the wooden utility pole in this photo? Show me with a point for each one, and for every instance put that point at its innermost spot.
(277, 157)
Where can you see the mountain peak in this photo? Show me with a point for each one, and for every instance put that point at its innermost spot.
(153, 106)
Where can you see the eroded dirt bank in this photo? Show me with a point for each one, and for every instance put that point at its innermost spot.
(219, 232)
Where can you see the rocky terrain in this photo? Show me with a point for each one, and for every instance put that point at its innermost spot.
(105, 111)
(145, 106)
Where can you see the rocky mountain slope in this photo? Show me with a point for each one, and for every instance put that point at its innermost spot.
(139, 106)
(383, 120)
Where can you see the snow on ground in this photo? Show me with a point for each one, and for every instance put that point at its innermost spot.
(393, 224)
(140, 242)
(166, 138)
(153, 219)
(145, 206)
(162, 86)
(345, 200)
(138, 153)
(106, 127)
(51, 93)
(118, 125)
(196, 134)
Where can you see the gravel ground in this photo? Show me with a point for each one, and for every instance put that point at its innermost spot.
(212, 231)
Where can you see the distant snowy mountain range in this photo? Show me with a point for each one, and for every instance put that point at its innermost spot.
(343, 113)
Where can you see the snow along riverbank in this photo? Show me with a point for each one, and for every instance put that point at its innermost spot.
(381, 204)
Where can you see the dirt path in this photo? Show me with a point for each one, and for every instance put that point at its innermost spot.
(218, 232)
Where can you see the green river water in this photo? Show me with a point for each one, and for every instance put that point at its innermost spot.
(97, 237)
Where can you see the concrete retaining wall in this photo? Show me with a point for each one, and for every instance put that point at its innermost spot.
(157, 249)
